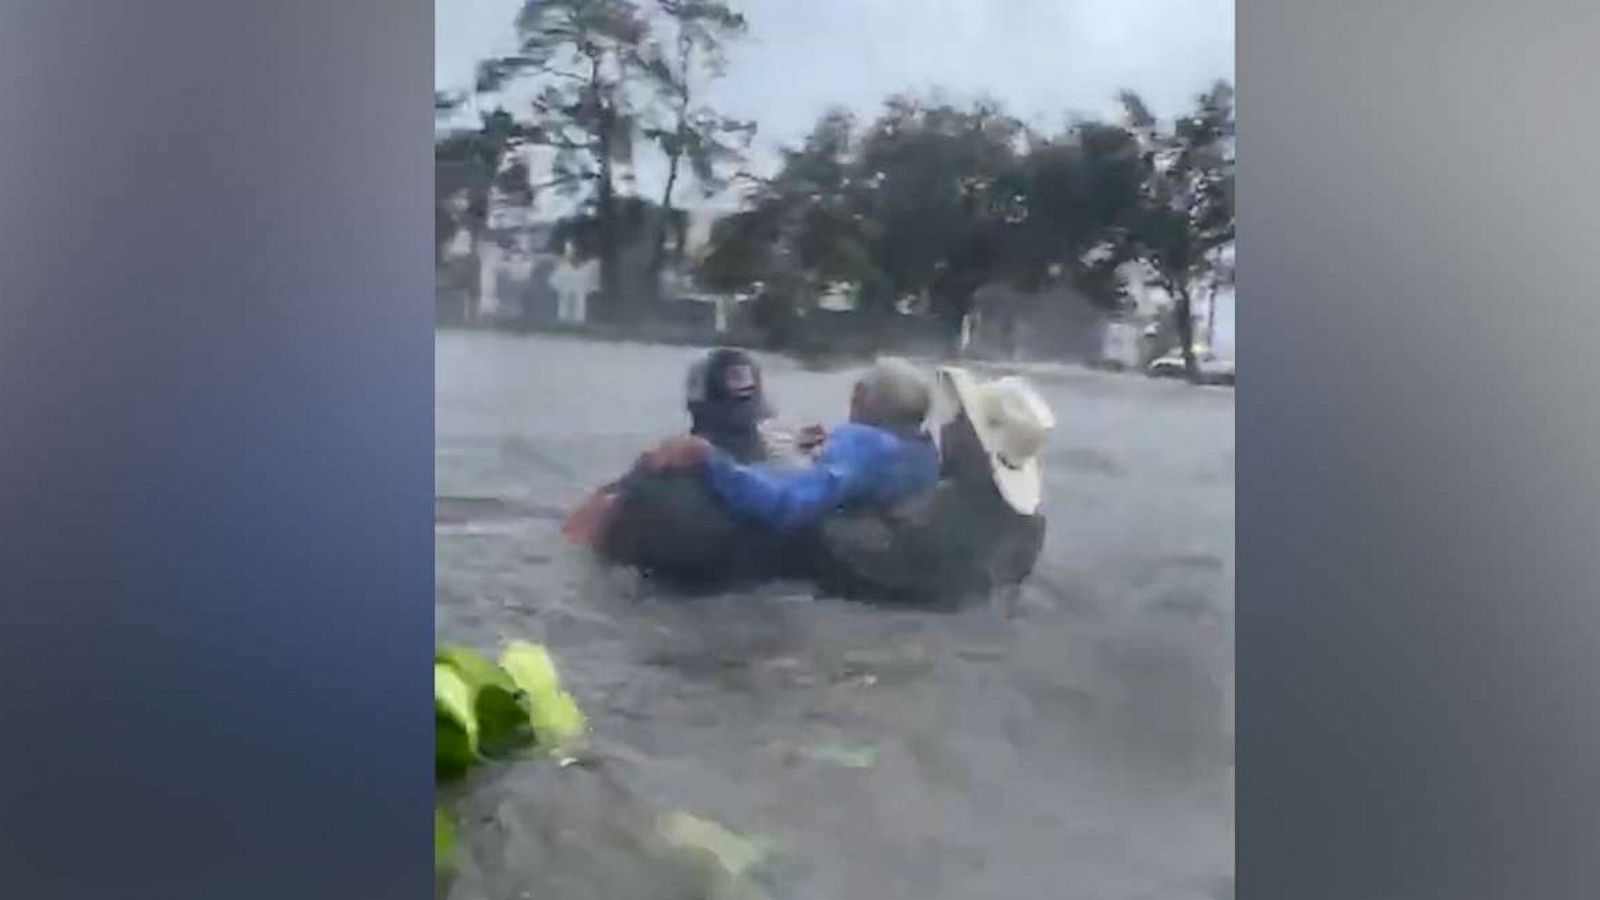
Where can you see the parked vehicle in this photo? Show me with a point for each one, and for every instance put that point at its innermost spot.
(1213, 369)
(1169, 366)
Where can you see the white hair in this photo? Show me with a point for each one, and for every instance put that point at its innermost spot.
(893, 391)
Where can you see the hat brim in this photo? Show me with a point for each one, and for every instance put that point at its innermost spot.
(1022, 487)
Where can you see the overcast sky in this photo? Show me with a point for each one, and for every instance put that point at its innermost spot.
(1043, 58)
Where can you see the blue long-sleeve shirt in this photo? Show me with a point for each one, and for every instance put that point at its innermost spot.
(859, 464)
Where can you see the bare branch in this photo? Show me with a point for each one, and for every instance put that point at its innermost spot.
(566, 179)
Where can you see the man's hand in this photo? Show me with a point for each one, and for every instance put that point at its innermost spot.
(676, 454)
(810, 438)
(588, 524)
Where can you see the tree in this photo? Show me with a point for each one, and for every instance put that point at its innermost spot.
(695, 134)
(966, 196)
(936, 200)
(800, 232)
(445, 104)
(468, 166)
(935, 175)
(1186, 212)
(798, 225)
(898, 209)
(593, 61)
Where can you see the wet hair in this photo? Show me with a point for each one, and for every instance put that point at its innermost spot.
(893, 392)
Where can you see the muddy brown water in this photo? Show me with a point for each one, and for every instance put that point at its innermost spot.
(1075, 741)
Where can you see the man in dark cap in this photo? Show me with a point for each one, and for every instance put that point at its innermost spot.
(669, 524)
(727, 404)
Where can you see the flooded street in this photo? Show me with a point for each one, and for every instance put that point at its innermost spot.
(1075, 743)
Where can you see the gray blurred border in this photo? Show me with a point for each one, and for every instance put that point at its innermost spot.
(1419, 504)
(215, 450)
(215, 461)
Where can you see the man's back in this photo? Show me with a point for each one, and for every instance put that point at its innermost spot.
(960, 541)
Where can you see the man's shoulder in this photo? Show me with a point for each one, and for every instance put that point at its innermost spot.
(869, 438)
(856, 431)
(858, 442)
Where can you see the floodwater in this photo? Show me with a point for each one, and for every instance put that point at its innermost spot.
(1075, 741)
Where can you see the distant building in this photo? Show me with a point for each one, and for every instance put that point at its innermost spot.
(573, 283)
(522, 276)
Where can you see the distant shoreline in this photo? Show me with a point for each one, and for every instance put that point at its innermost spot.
(1043, 370)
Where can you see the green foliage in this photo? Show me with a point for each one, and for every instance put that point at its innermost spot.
(487, 711)
(930, 198)
(594, 63)
(693, 132)
(585, 56)
(936, 199)
(933, 181)
(743, 250)
(445, 104)
(1186, 208)
(444, 841)
(500, 708)
(694, 135)
(455, 723)
(636, 221)
(467, 165)
(553, 714)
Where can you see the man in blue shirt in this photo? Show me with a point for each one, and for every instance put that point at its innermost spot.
(882, 457)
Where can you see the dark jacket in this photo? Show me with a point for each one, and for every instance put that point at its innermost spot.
(959, 543)
(670, 526)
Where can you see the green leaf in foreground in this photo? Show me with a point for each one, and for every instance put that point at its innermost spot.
(444, 841)
(501, 708)
(455, 723)
(556, 718)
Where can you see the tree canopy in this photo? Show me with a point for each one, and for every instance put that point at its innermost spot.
(924, 200)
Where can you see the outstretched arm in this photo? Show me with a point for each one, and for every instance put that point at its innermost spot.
(789, 499)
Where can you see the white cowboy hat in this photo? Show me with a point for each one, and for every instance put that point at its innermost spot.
(1012, 423)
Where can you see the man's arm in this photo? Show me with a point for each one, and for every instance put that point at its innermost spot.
(787, 499)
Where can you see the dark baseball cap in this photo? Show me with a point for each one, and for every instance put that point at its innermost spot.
(727, 376)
